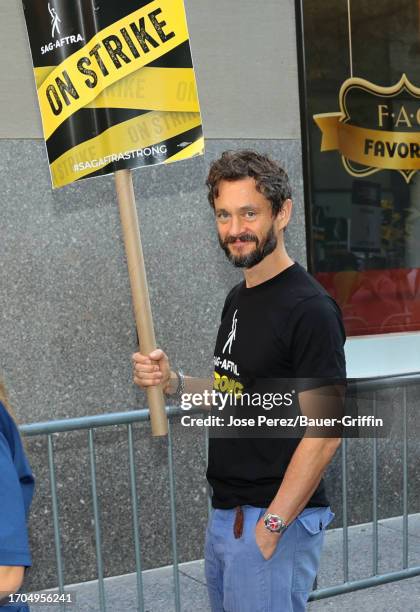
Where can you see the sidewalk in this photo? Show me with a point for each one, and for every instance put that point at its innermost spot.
(402, 596)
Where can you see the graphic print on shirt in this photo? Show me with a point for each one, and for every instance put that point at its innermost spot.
(223, 382)
(232, 333)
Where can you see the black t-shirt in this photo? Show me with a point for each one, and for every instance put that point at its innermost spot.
(285, 328)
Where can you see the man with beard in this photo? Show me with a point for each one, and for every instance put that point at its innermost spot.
(270, 509)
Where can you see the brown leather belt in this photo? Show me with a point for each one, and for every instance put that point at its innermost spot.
(238, 525)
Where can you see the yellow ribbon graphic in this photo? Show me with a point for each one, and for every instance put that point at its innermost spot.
(165, 89)
(375, 148)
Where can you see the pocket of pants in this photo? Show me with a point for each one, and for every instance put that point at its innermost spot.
(315, 520)
(311, 525)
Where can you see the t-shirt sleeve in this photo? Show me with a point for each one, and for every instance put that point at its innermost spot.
(14, 542)
(317, 340)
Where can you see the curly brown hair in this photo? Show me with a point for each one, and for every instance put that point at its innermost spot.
(270, 178)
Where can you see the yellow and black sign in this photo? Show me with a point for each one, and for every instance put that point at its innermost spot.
(378, 128)
(116, 85)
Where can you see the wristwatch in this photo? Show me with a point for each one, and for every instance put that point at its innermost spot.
(180, 388)
(274, 523)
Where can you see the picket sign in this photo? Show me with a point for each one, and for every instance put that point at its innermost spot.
(116, 90)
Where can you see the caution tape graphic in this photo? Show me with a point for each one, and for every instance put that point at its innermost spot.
(125, 139)
(111, 72)
(147, 89)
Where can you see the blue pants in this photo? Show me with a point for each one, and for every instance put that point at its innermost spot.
(239, 579)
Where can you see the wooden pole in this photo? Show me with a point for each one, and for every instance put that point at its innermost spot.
(139, 291)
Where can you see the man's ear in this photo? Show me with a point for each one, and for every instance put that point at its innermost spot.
(284, 214)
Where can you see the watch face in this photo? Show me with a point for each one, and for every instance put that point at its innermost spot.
(272, 523)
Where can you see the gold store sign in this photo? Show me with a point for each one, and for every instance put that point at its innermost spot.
(377, 128)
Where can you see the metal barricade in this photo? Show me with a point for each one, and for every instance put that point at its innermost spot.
(375, 579)
(91, 423)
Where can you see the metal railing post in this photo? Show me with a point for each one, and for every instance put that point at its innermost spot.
(173, 520)
(96, 519)
(56, 520)
(135, 513)
(345, 517)
(405, 481)
(374, 492)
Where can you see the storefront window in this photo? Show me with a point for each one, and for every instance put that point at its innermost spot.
(360, 93)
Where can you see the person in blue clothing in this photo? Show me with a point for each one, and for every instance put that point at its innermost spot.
(16, 491)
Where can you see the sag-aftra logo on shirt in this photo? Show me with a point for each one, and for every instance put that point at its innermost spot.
(222, 382)
(232, 334)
